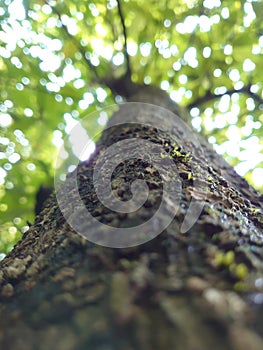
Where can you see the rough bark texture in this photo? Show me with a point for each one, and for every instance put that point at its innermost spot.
(198, 290)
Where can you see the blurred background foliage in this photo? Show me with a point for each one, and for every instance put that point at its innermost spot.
(55, 57)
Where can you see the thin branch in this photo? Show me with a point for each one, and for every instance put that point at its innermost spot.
(76, 43)
(125, 38)
(210, 96)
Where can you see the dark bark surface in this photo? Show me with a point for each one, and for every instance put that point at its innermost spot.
(196, 290)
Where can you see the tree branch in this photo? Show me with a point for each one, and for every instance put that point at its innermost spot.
(125, 38)
(76, 43)
(210, 96)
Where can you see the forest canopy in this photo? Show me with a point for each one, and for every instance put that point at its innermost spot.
(57, 59)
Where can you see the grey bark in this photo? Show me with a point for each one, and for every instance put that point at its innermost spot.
(196, 290)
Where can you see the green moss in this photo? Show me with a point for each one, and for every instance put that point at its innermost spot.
(190, 176)
(225, 259)
(184, 157)
(254, 210)
(165, 155)
(239, 286)
(241, 271)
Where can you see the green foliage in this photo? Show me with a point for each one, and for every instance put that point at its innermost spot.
(55, 56)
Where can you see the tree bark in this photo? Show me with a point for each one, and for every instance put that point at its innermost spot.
(198, 289)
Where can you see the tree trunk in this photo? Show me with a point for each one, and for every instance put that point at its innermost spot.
(196, 285)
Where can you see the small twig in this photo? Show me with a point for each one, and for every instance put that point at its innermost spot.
(125, 38)
(76, 43)
(210, 96)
